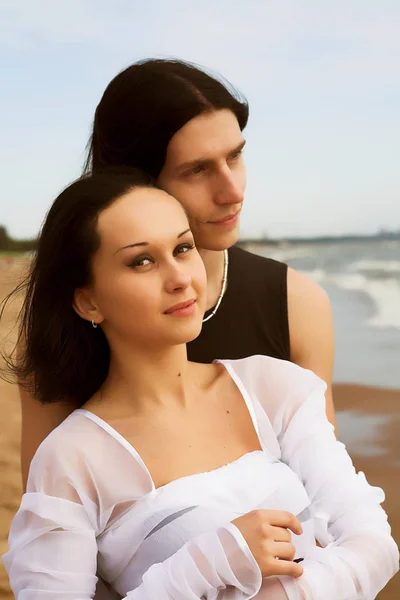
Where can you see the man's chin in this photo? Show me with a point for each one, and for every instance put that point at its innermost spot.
(218, 242)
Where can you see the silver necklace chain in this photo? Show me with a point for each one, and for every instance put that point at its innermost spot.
(223, 287)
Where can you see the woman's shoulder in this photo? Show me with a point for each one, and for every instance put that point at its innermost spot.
(72, 436)
(63, 451)
(279, 385)
(273, 372)
(81, 455)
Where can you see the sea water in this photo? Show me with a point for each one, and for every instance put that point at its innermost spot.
(363, 283)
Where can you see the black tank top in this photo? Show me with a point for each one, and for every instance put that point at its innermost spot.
(253, 315)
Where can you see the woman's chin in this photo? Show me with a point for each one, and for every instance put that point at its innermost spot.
(188, 334)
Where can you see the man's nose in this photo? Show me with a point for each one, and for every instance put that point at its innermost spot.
(230, 188)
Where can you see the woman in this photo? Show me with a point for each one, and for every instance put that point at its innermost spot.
(175, 479)
(184, 127)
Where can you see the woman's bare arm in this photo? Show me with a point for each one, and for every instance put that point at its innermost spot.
(37, 422)
(311, 331)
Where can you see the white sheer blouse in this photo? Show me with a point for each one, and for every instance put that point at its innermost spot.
(91, 507)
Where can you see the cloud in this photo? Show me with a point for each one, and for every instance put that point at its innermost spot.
(179, 22)
(321, 78)
(259, 44)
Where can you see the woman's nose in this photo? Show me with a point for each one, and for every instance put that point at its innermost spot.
(177, 279)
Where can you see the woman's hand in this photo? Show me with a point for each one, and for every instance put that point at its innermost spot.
(268, 537)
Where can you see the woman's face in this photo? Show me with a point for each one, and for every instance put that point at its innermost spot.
(145, 266)
(204, 170)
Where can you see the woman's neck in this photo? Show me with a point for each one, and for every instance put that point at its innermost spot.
(147, 379)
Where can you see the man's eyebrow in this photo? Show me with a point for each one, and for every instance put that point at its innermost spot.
(147, 243)
(203, 160)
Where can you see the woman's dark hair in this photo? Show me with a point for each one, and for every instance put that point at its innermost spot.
(146, 104)
(60, 355)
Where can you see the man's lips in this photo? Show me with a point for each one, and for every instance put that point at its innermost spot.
(180, 306)
(230, 217)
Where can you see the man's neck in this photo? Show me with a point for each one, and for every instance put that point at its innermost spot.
(214, 263)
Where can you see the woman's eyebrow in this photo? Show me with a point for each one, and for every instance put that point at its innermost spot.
(183, 232)
(147, 243)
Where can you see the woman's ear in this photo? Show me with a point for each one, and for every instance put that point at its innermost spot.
(85, 306)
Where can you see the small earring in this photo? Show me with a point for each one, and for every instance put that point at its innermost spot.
(94, 324)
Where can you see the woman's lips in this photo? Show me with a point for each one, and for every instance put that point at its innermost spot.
(182, 309)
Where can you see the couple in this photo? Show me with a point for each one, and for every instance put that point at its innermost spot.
(218, 477)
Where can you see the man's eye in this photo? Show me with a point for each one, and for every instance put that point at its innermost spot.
(236, 155)
(196, 170)
(183, 248)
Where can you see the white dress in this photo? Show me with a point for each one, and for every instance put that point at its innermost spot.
(91, 506)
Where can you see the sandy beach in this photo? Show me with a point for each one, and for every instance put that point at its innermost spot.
(381, 466)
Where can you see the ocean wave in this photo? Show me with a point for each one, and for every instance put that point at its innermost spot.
(385, 294)
(287, 254)
(377, 266)
(371, 270)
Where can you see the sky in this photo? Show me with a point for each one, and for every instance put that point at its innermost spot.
(322, 80)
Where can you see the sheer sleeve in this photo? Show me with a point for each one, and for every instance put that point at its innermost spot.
(53, 541)
(271, 589)
(53, 555)
(52, 550)
(202, 569)
(358, 556)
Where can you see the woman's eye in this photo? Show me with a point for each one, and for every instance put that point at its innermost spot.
(141, 261)
(183, 248)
